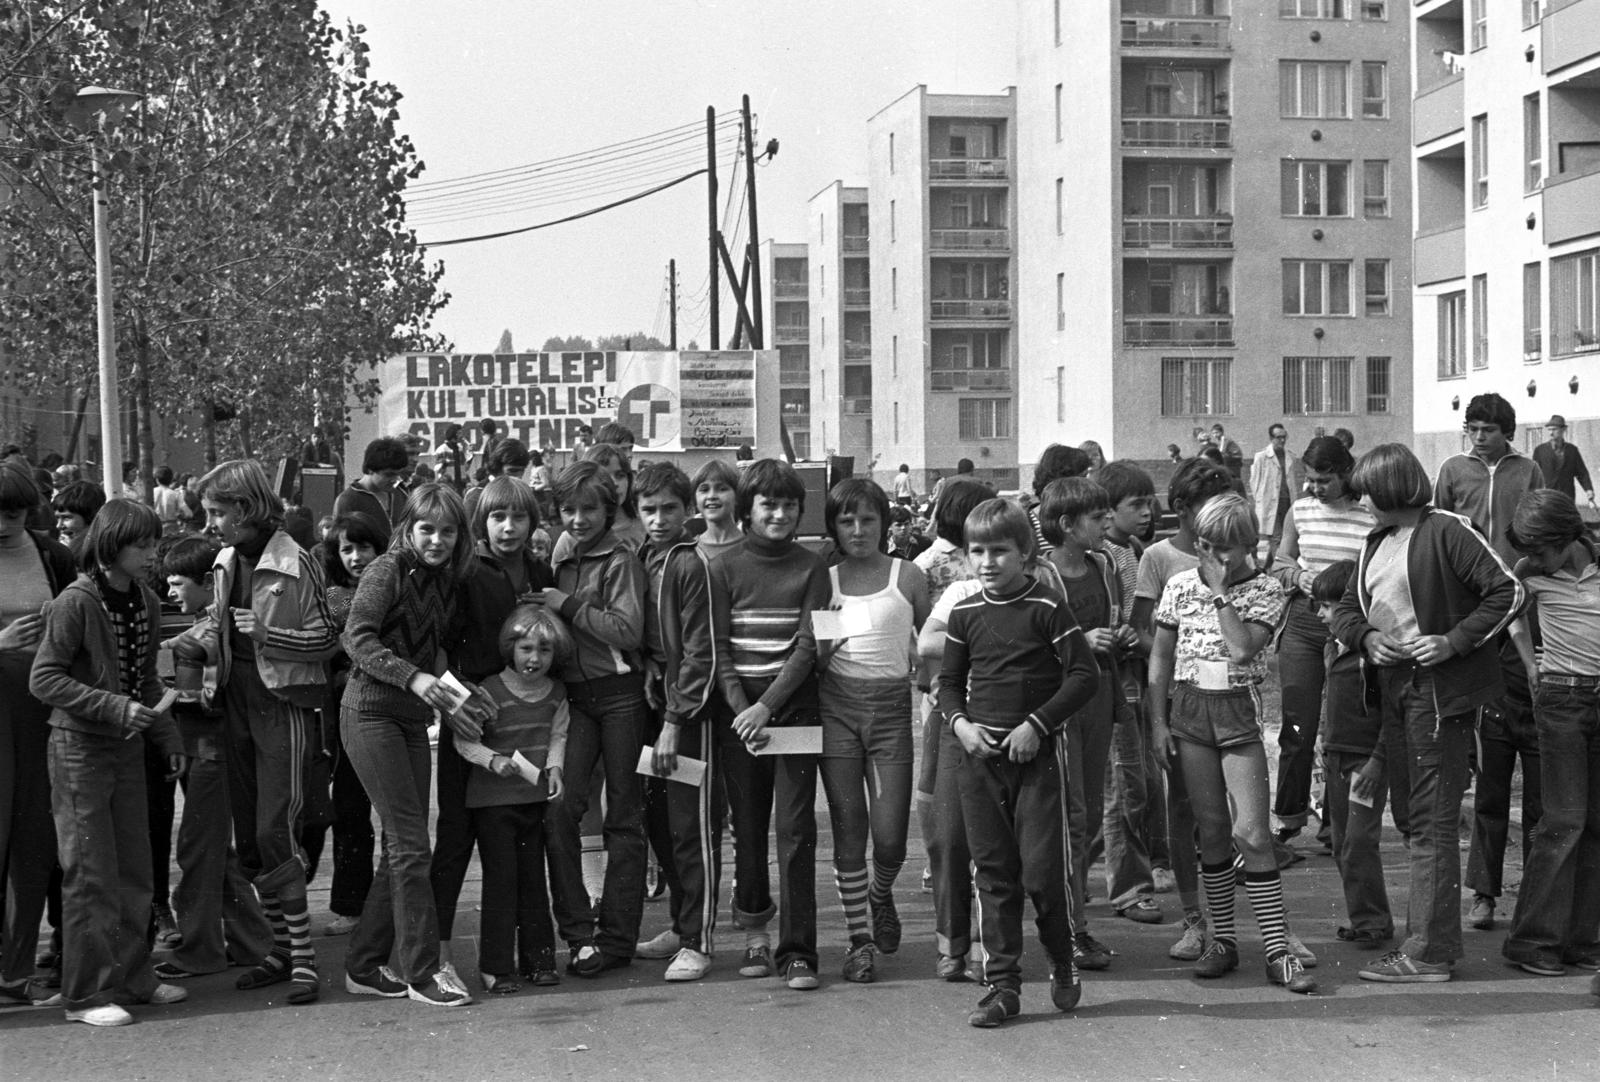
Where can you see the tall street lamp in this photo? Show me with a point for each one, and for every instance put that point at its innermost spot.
(93, 106)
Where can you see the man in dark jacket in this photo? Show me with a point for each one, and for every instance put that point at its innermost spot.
(1562, 462)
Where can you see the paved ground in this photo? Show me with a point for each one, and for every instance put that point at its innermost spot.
(1145, 1019)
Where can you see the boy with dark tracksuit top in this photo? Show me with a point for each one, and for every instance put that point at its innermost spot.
(763, 594)
(1016, 667)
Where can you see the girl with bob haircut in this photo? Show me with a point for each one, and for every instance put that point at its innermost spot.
(588, 482)
(717, 471)
(509, 495)
(404, 606)
(857, 496)
(1211, 626)
(243, 483)
(1391, 479)
(357, 529)
(773, 480)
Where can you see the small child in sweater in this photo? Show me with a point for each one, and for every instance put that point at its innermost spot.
(506, 800)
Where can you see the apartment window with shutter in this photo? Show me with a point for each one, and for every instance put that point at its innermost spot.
(1532, 313)
(1378, 385)
(1312, 88)
(1575, 303)
(1314, 189)
(1196, 386)
(1374, 89)
(1314, 385)
(984, 418)
(1375, 189)
(1377, 287)
(1452, 334)
(1480, 321)
(1532, 144)
(1480, 160)
(1316, 287)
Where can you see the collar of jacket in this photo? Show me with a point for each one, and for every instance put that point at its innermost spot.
(606, 546)
(281, 555)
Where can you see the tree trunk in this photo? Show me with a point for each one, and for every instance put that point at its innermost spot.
(244, 434)
(141, 405)
(209, 427)
(77, 425)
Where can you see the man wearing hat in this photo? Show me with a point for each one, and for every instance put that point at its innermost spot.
(1561, 462)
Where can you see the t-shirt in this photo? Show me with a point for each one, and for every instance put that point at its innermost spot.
(1161, 562)
(24, 591)
(1127, 562)
(1187, 607)
(944, 564)
(1568, 609)
(1088, 600)
(1389, 583)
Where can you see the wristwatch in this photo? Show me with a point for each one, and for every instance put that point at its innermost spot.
(1220, 603)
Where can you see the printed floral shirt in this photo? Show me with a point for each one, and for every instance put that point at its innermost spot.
(944, 564)
(1186, 606)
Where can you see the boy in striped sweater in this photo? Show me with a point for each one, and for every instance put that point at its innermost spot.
(763, 594)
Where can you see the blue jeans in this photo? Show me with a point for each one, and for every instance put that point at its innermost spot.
(1437, 750)
(1302, 670)
(218, 911)
(392, 760)
(1557, 917)
(1356, 830)
(1508, 730)
(1128, 875)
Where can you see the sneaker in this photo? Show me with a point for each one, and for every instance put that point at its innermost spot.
(166, 995)
(1287, 971)
(886, 925)
(1193, 942)
(167, 935)
(109, 1015)
(1163, 881)
(1090, 953)
(1363, 937)
(800, 977)
(1300, 950)
(1221, 958)
(439, 991)
(503, 985)
(380, 982)
(1589, 960)
(1144, 911)
(16, 995)
(341, 925)
(995, 1008)
(952, 968)
(1065, 987)
(168, 971)
(757, 961)
(585, 960)
(1542, 967)
(689, 965)
(662, 946)
(1397, 967)
(861, 964)
(1482, 915)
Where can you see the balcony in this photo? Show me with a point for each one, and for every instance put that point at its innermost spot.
(1571, 33)
(1438, 111)
(857, 297)
(855, 243)
(970, 240)
(1169, 233)
(857, 351)
(858, 406)
(971, 379)
(788, 291)
(972, 311)
(791, 334)
(1157, 32)
(1440, 256)
(1569, 206)
(1196, 133)
(1147, 330)
(794, 375)
(967, 169)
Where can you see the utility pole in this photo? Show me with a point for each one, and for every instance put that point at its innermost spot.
(711, 210)
(758, 336)
(672, 307)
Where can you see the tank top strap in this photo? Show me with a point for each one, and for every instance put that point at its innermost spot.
(833, 580)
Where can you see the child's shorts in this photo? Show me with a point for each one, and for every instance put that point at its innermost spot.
(866, 719)
(1215, 719)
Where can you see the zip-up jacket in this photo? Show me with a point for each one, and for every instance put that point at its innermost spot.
(1487, 494)
(605, 590)
(683, 627)
(484, 599)
(287, 594)
(1461, 589)
(76, 671)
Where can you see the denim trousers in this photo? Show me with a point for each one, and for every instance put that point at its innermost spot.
(353, 840)
(1558, 907)
(454, 834)
(1508, 730)
(266, 741)
(25, 748)
(1437, 751)
(392, 759)
(1088, 749)
(1302, 671)
(217, 908)
(515, 932)
(945, 835)
(1128, 799)
(1357, 831)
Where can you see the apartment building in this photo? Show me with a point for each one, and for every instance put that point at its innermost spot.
(837, 220)
(940, 193)
(1507, 145)
(787, 322)
(1223, 236)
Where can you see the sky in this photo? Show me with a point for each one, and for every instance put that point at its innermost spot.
(494, 84)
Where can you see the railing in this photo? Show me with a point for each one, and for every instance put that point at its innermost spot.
(1177, 232)
(855, 243)
(791, 334)
(1151, 31)
(970, 239)
(798, 375)
(858, 351)
(858, 295)
(782, 290)
(1167, 131)
(971, 379)
(974, 310)
(1177, 330)
(858, 406)
(967, 168)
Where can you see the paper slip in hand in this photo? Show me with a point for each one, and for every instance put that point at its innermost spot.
(458, 691)
(1357, 798)
(841, 623)
(529, 772)
(792, 740)
(689, 771)
(166, 701)
(1213, 675)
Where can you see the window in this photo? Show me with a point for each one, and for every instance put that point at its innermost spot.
(1192, 386)
(1374, 89)
(1452, 327)
(1532, 313)
(1061, 302)
(1312, 9)
(1317, 384)
(1575, 303)
(1375, 11)
(1480, 321)
(1532, 12)
(1378, 384)
(1377, 287)
(1480, 23)
(1532, 144)
(1480, 160)
(985, 418)
(1058, 112)
(1314, 189)
(1316, 287)
(1307, 88)
(1060, 197)
(1375, 189)
(858, 381)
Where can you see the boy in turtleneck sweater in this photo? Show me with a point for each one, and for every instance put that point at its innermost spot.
(763, 593)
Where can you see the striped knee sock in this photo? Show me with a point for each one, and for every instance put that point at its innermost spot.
(272, 909)
(853, 897)
(297, 922)
(1266, 898)
(883, 876)
(1219, 886)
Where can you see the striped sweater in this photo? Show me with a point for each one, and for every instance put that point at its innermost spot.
(399, 623)
(763, 593)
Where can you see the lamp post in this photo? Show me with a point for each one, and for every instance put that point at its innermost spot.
(92, 106)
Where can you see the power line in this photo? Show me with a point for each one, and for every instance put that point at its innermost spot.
(556, 185)
(568, 218)
(627, 184)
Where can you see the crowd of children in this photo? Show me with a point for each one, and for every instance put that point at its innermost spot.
(1081, 693)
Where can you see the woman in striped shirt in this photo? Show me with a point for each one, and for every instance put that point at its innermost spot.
(1324, 527)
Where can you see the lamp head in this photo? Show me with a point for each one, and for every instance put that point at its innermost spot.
(93, 101)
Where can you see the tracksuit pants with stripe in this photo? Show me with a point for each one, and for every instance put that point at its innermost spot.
(266, 740)
(1016, 833)
(695, 815)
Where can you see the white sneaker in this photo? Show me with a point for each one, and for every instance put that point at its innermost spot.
(689, 965)
(167, 994)
(1300, 950)
(341, 925)
(664, 945)
(109, 1015)
(451, 981)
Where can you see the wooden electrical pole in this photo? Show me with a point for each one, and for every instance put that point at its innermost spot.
(714, 242)
(672, 293)
(757, 335)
